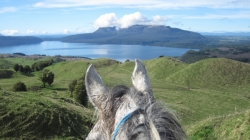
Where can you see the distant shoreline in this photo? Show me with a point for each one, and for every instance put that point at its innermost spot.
(38, 56)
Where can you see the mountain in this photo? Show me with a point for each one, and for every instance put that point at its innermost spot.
(18, 40)
(141, 35)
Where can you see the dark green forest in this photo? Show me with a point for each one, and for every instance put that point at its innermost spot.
(18, 40)
(238, 53)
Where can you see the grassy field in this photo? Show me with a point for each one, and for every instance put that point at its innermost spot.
(211, 97)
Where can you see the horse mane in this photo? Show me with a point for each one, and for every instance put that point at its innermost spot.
(163, 121)
(130, 113)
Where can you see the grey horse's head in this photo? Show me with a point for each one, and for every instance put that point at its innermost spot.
(129, 113)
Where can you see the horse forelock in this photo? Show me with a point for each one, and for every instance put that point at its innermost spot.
(117, 104)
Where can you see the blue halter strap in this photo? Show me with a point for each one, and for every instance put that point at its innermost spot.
(123, 120)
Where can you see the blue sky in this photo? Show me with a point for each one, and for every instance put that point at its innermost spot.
(29, 17)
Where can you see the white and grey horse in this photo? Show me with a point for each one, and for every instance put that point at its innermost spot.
(129, 113)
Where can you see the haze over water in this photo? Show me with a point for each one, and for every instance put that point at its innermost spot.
(93, 51)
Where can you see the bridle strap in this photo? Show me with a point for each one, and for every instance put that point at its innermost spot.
(123, 120)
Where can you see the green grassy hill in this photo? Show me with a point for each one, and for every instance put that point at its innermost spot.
(35, 115)
(207, 96)
(220, 73)
(160, 68)
(234, 126)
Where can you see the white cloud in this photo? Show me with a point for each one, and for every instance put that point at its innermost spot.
(106, 20)
(178, 23)
(110, 20)
(146, 3)
(9, 32)
(236, 15)
(65, 31)
(132, 19)
(159, 19)
(78, 3)
(30, 31)
(7, 10)
(45, 32)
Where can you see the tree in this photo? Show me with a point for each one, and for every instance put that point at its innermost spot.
(50, 78)
(51, 61)
(41, 65)
(21, 68)
(33, 67)
(43, 76)
(19, 86)
(46, 76)
(16, 67)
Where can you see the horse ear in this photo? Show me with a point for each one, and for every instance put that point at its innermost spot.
(140, 78)
(96, 90)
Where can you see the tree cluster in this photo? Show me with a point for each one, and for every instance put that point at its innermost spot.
(6, 73)
(78, 91)
(46, 76)
(38, 66)
(21, 68)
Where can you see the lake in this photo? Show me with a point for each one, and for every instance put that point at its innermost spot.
(93, 51)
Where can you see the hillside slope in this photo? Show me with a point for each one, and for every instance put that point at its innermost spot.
(235, 126)
(219, 73)
(5, 64)
(34, 115)
(197, 92)
(160, 68)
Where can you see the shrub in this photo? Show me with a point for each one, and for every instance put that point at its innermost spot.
(72, 87)
(46, 76)
(6, 73)
(27, 69)
(127, 60)
(34, 88)
(80, 93)
(50, 78)
(19, 86)
(205, 133)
